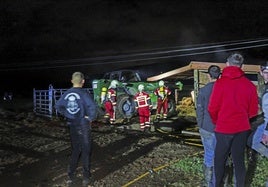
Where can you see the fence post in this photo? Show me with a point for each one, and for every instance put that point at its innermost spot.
(50, 100)
(34, 101)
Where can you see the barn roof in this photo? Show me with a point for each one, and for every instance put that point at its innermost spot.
(186, 72)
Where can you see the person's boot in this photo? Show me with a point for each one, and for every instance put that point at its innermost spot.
(85, 182)
(69, 182)
(70, 179)
(208, 172)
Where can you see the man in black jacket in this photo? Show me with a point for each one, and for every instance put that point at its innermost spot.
(78, 107)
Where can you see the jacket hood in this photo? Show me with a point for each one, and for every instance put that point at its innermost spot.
(232, 72)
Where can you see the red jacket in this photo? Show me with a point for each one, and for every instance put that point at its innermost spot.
(142, 99)
(162, 92)
(111, 96)
(233, 101)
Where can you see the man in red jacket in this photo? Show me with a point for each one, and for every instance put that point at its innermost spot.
(233, 102)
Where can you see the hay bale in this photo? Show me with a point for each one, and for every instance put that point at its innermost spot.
(186, 108)
(187, 101)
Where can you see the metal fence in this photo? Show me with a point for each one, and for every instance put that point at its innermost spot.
(44, 100)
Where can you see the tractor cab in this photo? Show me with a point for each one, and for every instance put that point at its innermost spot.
(123, 76)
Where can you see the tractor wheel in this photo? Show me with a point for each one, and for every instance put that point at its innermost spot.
(100, 112)
(171, 108)
(125, 106)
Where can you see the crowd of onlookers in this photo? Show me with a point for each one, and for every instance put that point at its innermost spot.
(226, 108)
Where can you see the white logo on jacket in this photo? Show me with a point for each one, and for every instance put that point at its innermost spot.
(72, 104)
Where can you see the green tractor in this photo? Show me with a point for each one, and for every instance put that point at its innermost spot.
(129, 81)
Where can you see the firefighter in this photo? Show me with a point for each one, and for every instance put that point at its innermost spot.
(162, 93)
(110, 104)
(143, 105)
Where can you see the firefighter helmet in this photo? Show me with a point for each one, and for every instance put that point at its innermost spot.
(114, 84)
(161, 83)
(141, 87)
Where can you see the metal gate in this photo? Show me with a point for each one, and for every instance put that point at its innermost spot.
(44, 100)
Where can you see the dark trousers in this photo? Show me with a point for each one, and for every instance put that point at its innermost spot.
(81, 146)
(234, 144)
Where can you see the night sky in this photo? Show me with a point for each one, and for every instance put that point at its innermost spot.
(43, 42)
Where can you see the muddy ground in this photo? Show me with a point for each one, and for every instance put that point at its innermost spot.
(35, 152)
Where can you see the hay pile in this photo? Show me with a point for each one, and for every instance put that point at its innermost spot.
(186, 109)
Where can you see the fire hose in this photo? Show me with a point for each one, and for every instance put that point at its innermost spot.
(157, 169)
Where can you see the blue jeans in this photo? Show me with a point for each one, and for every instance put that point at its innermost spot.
(209, 143)
(256, 142)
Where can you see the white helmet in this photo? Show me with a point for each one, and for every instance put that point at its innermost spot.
(161, 83)
(141, 87)
(114, 84)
